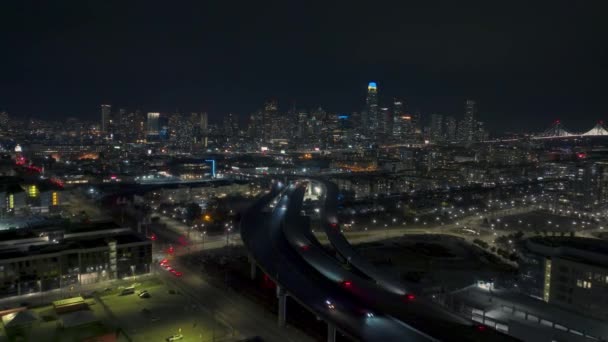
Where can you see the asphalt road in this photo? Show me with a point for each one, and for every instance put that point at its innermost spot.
(243, 317)
(265, 240)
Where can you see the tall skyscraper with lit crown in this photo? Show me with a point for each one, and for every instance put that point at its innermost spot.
(371, 121)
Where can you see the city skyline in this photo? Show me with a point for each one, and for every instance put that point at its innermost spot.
(303, 171)
(542, 69)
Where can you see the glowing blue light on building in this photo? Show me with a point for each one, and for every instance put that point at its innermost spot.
(212, 161)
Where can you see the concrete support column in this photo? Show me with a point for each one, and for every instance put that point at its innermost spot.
(282, 296)
(331, 332)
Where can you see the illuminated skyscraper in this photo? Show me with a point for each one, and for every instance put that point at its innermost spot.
(181, 132)
(450, 128)
(302, 130)
(467, 126)
(199, 128)
(436, 128)
(106, 112)
(385, 123)
(371, 108)
(153, 125)
(268, 125)
(231, 128)
(401, 121)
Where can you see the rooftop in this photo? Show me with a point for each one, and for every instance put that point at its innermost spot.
(47, 240)
(502, 306)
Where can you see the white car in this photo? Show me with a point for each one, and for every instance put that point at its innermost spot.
(175, 337)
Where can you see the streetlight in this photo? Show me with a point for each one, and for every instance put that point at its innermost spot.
(203, 235)
(228, 236)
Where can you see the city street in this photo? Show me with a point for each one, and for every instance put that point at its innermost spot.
(243, 317)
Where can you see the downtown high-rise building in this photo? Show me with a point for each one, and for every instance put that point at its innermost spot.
(199, 122)
(153, 125)
(4, 119)
(231, 128)
(181, 132)
(399, 120)
(385, 123)
(302, 130)
(436, 133)
(450, 128)
(467, 126)
(370, 120)
(267, 124)
(106, 118)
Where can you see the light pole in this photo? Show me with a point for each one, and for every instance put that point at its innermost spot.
(203, 235)
(228, 235)
(40, 291)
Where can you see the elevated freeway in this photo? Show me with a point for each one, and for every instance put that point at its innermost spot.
(358, 301)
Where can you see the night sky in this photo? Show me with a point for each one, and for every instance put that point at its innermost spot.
(526, 62)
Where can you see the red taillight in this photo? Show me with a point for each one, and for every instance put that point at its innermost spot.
(410, 297)
(347, 283)
(334, 225)
(304, 247)
(481, 328)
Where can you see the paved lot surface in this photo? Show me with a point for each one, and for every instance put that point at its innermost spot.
(160, 316)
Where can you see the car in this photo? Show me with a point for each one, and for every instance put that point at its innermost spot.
(330, 305)
(175, 337)
(144, 294)
(127, 291)
(177, 274)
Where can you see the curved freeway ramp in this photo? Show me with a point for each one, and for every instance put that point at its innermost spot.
(419, 314)
(261, 230)
(331, 227)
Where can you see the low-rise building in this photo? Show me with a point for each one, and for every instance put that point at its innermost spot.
(41, 259)
(575, 274)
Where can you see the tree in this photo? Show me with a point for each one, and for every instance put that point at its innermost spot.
(193, 211)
